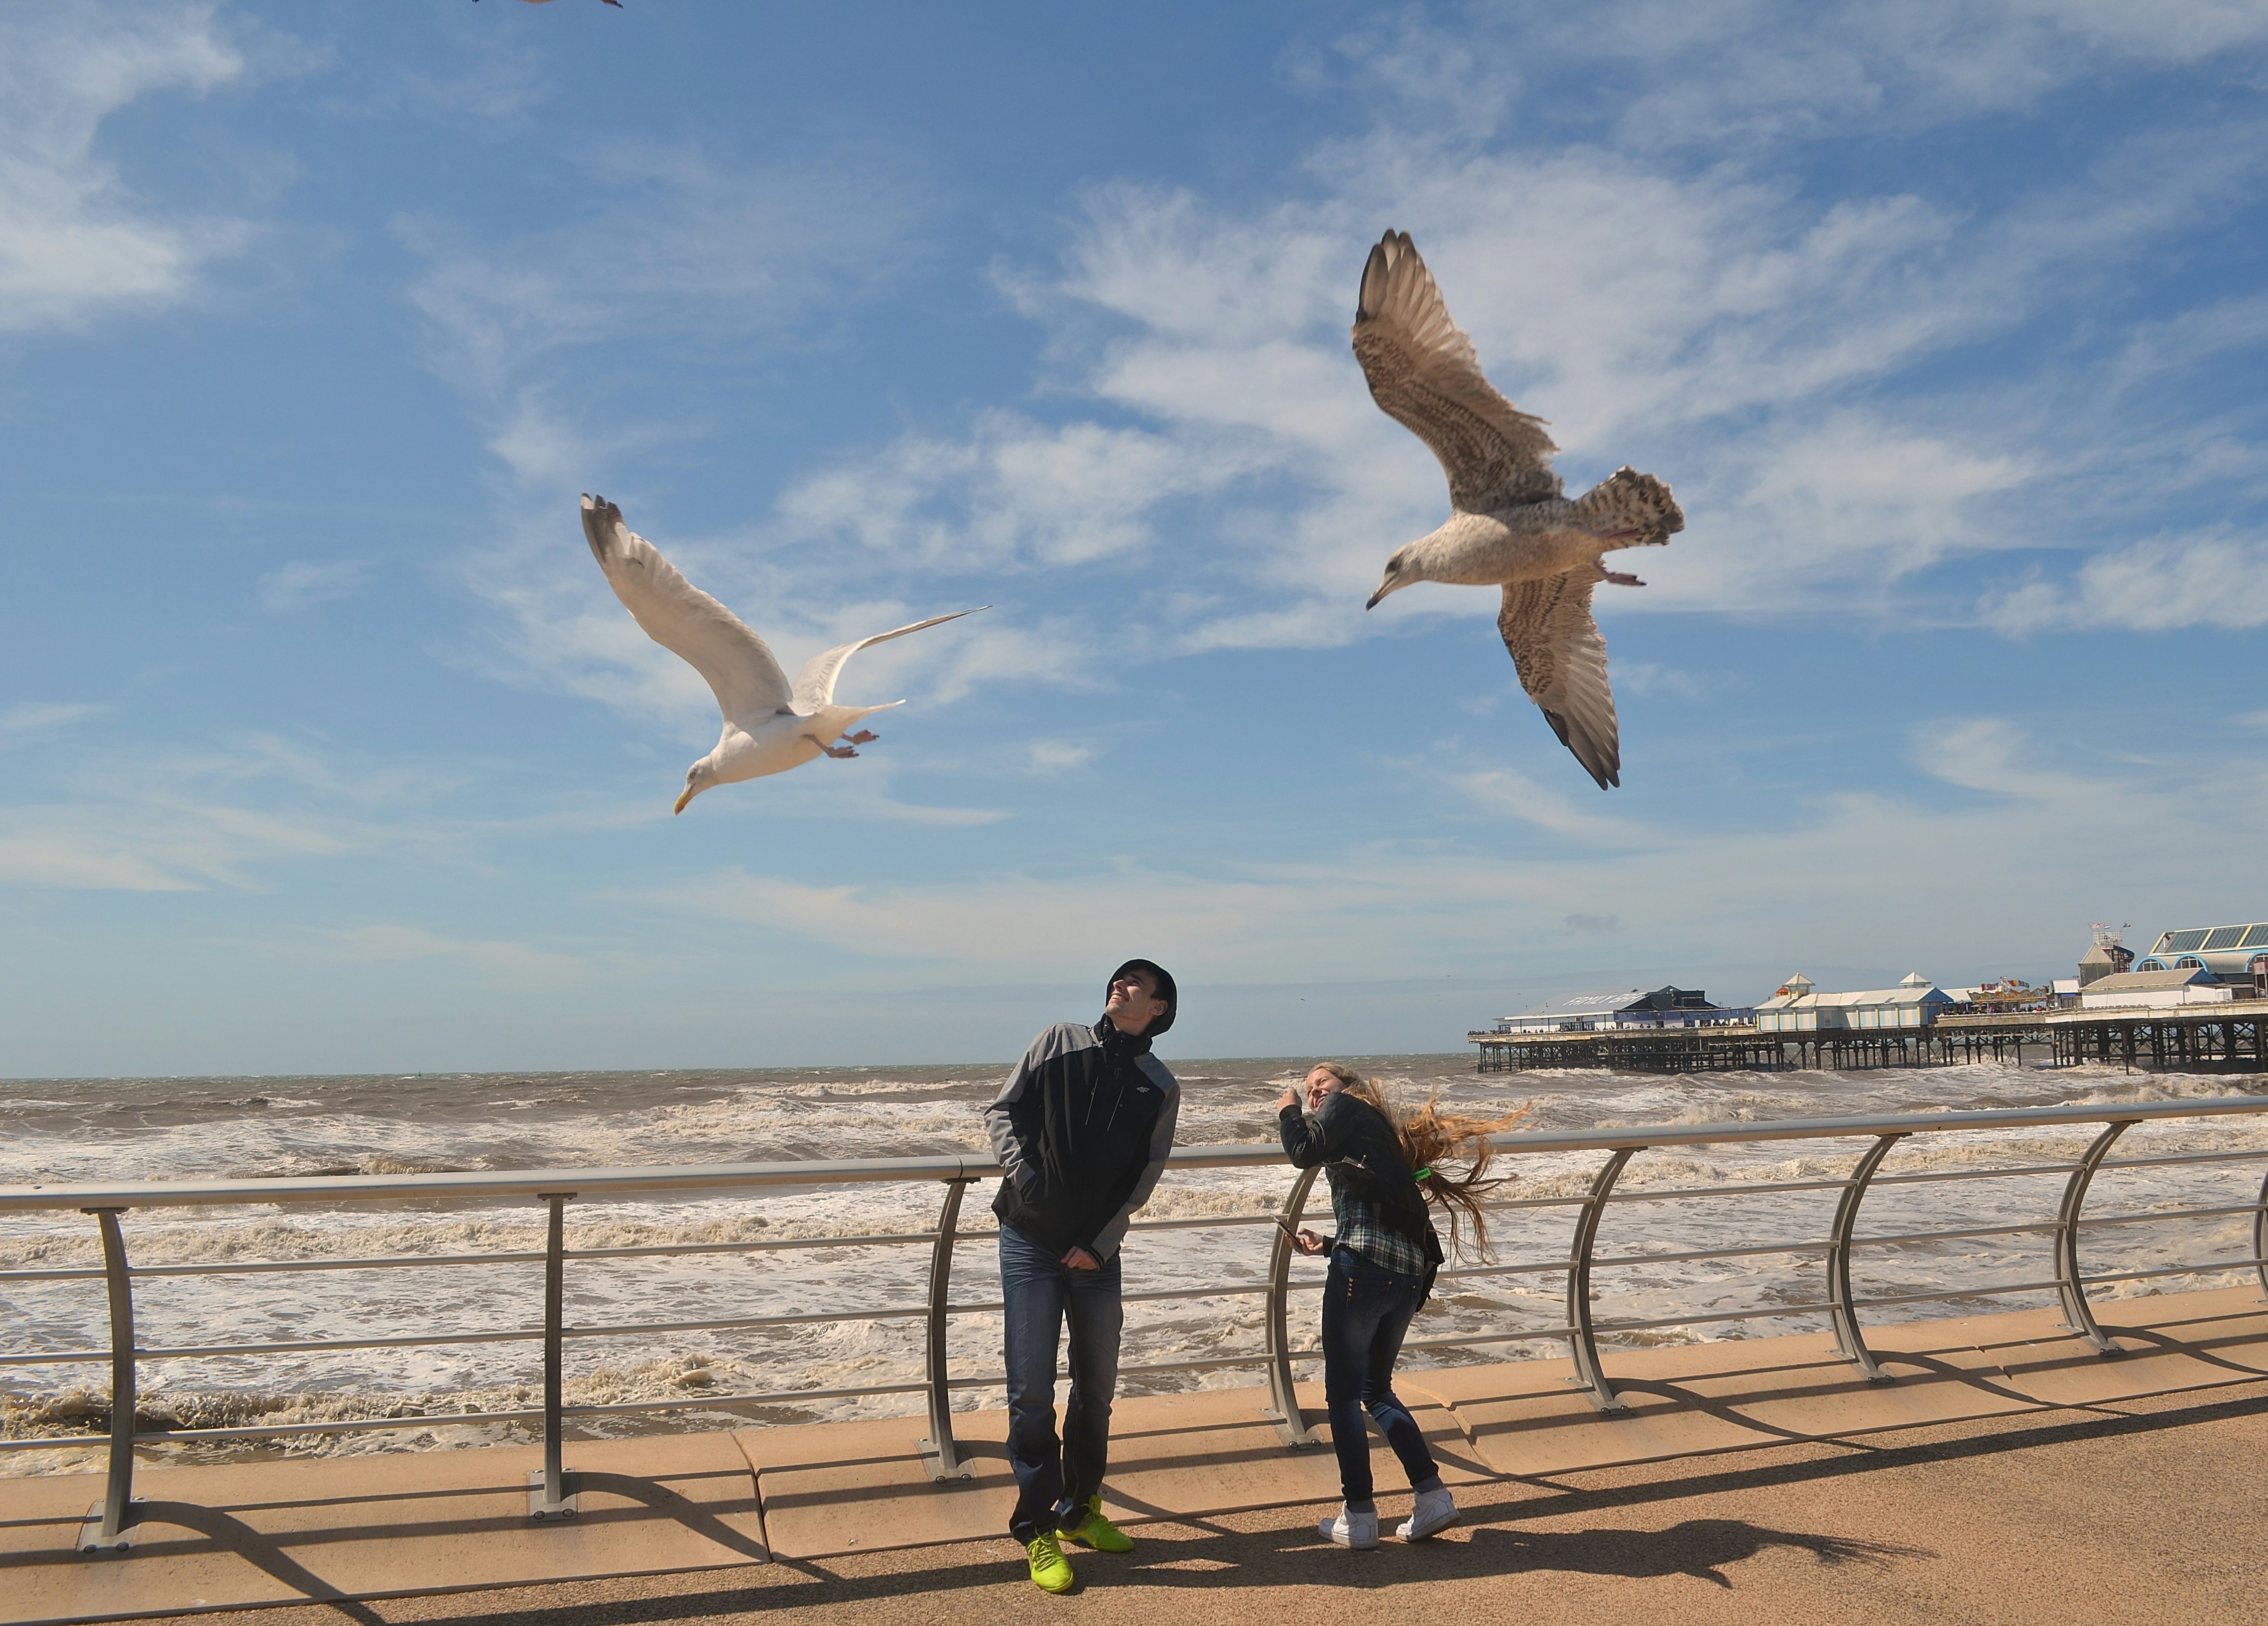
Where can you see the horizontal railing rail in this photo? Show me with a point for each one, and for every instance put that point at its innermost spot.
(552, 1493)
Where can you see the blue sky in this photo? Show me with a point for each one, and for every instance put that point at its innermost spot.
(324, 747)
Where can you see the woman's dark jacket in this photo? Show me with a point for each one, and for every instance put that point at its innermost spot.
(1362, 1156)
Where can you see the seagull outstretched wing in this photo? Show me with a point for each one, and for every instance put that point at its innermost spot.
(1424, 374)
(814, 685)
(748, 682)
(1562, 657)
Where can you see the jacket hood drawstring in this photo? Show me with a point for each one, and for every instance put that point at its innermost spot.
(1120, 1049)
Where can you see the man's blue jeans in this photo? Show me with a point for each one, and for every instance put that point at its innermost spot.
(1054, 1482)
(1367, 1309)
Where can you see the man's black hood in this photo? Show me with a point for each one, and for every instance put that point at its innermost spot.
(1167, 992)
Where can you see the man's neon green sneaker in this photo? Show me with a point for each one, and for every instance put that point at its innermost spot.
(1099, 1533)
(1050, 1572)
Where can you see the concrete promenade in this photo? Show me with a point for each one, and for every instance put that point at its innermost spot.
(2006, 1472)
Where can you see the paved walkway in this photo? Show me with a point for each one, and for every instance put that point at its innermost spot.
(2143, 1513)
(2006, 1472)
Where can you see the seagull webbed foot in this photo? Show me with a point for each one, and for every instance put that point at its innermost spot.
(837, 751)
(863, 737)
(1623, 579)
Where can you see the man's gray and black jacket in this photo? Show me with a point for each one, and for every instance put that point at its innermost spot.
(1082, 1128)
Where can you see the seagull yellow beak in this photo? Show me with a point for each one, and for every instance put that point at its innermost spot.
(681, 801)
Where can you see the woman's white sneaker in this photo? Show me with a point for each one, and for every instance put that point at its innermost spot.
(1434, 1511)
(1351, 1529)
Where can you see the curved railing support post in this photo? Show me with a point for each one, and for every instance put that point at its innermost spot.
(2260, 1230)
(1850, 1342)
(1588, 1373)
(941, 1452)
(2070, 1284)
(551, 1491)
(109, 1523)
(1282, 1399)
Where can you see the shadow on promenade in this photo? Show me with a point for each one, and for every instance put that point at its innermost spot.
(1496, 1538)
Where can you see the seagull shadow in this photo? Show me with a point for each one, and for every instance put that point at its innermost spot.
(1699, 1547)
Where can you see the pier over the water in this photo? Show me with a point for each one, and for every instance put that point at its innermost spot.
(1536, 1448)
(2225, 1038)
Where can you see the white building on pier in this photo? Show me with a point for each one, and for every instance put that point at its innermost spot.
(1799, 1008)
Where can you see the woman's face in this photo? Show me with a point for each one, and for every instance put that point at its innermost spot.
(1320, 1083)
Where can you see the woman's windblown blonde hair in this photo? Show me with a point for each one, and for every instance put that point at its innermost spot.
(1431, 1140)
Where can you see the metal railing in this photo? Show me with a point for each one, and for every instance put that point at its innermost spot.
(552, 1493)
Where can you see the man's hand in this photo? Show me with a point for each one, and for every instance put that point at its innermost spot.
(1079, 1258)
(1311, 1242)
(1290, 1098)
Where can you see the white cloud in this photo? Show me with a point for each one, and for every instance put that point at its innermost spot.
(164, 819)
(1651, 678)
(1049, 757)
(2163, 585)
(494, 964)
(1725, 74)
(75, 242)
(1508, 791)
(43, 853)
(682, 246)
(1012, 492)
(1726, 356)
(298, 585)
(30, 717)
(1785, 887)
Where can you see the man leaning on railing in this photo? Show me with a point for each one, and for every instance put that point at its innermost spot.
(1081, 1128)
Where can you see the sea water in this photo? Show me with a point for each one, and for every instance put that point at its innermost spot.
(110, 1130)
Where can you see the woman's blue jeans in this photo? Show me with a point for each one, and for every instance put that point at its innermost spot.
(1367, 1309)
(1054, 1482)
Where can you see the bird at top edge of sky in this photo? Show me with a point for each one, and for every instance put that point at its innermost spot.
(770, 724)
(1509, 525)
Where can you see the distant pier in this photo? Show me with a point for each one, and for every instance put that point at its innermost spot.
(2231, 1038)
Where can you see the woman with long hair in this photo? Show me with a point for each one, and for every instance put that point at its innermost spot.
(1388, 1166)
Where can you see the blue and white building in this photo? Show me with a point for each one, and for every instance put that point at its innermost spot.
(1666, 1006)
(2237, 954)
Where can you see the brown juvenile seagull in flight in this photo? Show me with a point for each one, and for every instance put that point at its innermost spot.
(1509, 525)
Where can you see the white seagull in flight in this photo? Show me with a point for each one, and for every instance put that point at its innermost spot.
(1508, 524)
(769, 727)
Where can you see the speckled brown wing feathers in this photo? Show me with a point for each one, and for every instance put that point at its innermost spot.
(1561, 659)
(1425, 373)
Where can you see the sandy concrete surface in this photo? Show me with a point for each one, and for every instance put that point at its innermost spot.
(2137, 1512)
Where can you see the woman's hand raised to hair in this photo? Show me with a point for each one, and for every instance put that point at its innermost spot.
(1290, 1098)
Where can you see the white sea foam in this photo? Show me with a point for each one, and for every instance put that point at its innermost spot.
(174, 1128)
